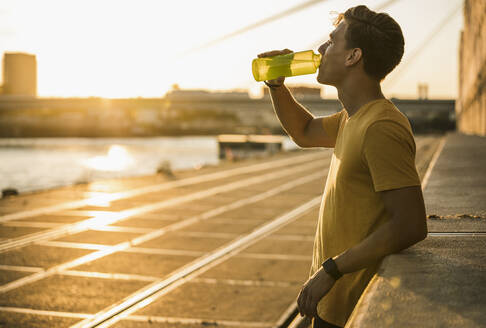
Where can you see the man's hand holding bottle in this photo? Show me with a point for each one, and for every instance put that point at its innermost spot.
(280, 80)
(273, 66)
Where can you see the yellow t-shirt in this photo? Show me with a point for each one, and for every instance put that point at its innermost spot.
(374, 151)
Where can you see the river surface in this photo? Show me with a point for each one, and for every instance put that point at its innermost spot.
(29, 164)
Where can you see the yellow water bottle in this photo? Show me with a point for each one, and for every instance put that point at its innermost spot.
(296, 63)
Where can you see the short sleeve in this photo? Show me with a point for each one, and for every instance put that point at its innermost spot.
(331, 124)
(389, 153)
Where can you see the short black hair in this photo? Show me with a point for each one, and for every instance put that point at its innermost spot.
(379, 37)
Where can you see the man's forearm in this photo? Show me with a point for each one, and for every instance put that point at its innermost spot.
(389, 238)
(292, 116)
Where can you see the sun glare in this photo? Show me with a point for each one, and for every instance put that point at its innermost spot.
(117, 159)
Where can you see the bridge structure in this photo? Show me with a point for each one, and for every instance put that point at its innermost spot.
(188, 113)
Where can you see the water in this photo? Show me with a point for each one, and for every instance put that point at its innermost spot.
(31, 164)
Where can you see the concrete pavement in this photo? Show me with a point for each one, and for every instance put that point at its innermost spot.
(72, 254)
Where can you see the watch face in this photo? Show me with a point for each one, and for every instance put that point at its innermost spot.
(331, 268)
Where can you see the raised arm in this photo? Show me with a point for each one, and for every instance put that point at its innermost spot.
(304, 129)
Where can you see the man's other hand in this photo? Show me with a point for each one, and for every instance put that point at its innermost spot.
(313, 290)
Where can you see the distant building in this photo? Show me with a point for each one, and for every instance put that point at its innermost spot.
(423, 91)
(19, 74)
(471, 102)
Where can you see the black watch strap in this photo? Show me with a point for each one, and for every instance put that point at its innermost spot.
(331, 268)
(272, 86)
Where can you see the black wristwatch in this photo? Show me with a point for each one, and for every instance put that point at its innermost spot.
(331, 268)
(272, 86)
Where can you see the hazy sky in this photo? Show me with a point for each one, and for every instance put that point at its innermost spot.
(116, 48)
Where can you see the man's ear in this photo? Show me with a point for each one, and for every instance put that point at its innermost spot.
(353, 57)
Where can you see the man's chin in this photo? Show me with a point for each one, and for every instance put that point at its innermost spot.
(322, 80)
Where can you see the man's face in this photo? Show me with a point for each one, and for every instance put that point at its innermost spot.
(332, 68)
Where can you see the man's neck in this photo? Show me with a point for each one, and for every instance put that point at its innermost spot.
(355, 93)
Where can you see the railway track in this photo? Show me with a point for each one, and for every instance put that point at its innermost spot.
(227, 248)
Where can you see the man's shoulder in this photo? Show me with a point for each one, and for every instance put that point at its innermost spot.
(385, 114)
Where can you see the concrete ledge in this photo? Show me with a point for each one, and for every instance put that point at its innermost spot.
(457, 184)
(440, 282)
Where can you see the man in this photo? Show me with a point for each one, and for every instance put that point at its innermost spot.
(372, 203)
